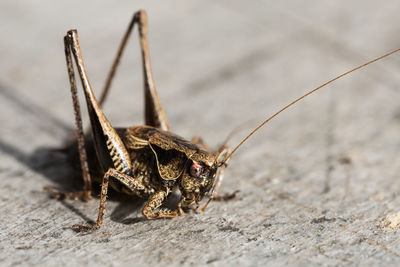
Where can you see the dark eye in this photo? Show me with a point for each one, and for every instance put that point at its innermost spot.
(195, 170)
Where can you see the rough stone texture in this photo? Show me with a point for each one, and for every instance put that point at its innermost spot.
(317, 185)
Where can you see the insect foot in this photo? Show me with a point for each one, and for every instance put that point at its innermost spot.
(226, 197)
(57, 194)
(85, 228)
(154, 202)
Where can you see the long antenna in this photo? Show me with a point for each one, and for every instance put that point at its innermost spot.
(305, 95)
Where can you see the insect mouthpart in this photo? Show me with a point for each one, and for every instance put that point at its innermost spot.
(197, 180)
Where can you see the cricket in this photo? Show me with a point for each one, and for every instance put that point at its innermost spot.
(148, 161)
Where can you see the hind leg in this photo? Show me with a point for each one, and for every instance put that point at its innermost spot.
(154, 112)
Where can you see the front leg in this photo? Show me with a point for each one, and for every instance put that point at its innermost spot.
(214, 192)
(127, 180)
(215, 195)
(155, 202)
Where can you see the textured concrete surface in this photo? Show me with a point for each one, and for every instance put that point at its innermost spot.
(318, 186)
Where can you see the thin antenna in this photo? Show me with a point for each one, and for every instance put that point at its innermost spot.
(305, 95)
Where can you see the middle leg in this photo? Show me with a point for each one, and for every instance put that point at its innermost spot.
(126, 180)
(155, 202)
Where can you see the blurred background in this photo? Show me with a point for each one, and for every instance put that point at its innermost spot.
(318, 184)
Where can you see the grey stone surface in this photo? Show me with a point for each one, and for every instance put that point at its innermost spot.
(316, 184)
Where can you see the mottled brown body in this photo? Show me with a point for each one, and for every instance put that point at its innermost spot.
(158, 159)
(148, 161)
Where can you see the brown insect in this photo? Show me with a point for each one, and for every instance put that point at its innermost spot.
(148, 161)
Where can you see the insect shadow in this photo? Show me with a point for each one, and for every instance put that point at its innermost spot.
(161, 161)
(53, 162)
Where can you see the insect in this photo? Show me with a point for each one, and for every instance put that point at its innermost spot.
(149, 161)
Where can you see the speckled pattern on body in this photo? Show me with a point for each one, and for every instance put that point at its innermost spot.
(318, 186)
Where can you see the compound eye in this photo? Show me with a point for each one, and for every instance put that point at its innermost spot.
(195, 170)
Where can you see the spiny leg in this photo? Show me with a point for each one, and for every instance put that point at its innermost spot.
(180, 210)
(87, 183)
(154, 113)
(155, 201)
(109, 147)
(220, 155)
(214, 193)
(114, 67)
(78, 124)
(128, 181)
